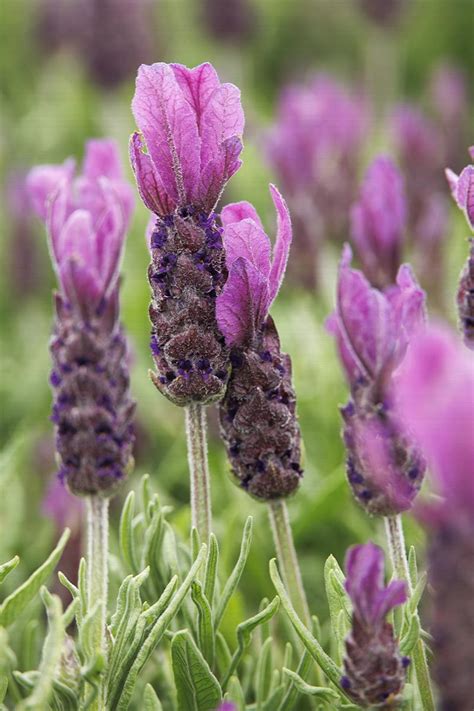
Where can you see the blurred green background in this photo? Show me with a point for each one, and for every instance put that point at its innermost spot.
(53, 97)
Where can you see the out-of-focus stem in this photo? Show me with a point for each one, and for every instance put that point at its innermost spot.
(287, 558)
(198, 470)
(97, 572)
(396, 545)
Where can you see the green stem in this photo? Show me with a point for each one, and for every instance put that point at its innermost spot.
(396, 545)
(287, 558)
(198, 470)
(97, 574)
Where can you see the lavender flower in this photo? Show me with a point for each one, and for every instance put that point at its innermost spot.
(258, 418)
(450, 101)
(372, 330)
(435, 398)
(86, 220)
(462, 188)
(374, 670)
(315, 147)
(232, 21)
(378, 221)
(191, 124)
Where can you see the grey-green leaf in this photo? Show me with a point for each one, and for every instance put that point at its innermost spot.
(15, 603)
(197, 687)
(236, 574)
(151, 701)
(7, 568)
(322, 692)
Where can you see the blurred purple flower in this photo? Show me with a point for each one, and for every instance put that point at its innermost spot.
(254, 278)
(450, 100)
(258, 414)
(62, 507)
(435, 398)
(378, 222)
(385, 13)
(314, 148)
(372, 330)
(86, 220)
(192, 126)
(227, 706)
(231, 21)
(374, 670)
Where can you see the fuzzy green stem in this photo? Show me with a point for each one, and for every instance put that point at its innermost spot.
(97, 575)
(198, 470)
(396, 546)
(287, 558)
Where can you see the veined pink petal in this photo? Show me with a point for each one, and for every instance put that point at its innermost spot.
(77, 239)
(465, 193)
(222, 118)
(150, 185)
(248, 240)
(236, 211)
(282, 244)
(44, 181)
(169, 126)
(242, 305)
(218, 171)
(102, 158)
(80, 285)
(198, 85)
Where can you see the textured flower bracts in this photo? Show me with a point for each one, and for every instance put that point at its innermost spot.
(372, 330)
(374, 670)
(258, 414)
(191, 125)
(86, 220)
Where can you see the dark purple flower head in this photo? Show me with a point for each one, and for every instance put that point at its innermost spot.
(373, 327)
(374, 670)
(191, 126)
(378, 222)
(462, 189)
(371, 599)
(254, 276)
(86, 218)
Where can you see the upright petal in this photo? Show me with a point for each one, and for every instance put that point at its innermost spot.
(223, 118)
(282, 244)
(150, 186)
(102, 159)
(248, 240)
(198, 85)
(218, 170)
(43, 182)
(236, 211)
(169, 126)
(242, 305)
(465, 193)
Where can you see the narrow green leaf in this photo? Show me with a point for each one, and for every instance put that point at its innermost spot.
(322, 692)
(411, 636)
(412, 566)
(210, 572)
(236, 574)
(265, 627)
(157, 631)
(331, 670)
(415, 598)
(264, 673)
(205, 628)
(197, 687)
(7, 568)
(274, 699)
(126, 533)
(151, 701)
(223, 655)
(146, 492)
(15, 603)
(68, 585)
(51, 655)
(195, 542)
(235, 693)
(288, 656)
(4, 687)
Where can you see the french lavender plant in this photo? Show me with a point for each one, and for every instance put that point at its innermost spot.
(374, 668)
(372, 330)
(86, 220)
(462, 188)
(258, 414)
(314, 148)
(378, 221)
(191, 125)
(435, 398)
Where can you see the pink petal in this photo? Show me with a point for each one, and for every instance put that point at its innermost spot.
(109, 237)
(150, 185)
(242, 305)
(236, 211)
(452, 179)
(197, 85)
(169, 126)
(218, 171)
(44, 181)
(77, 239)
(223, 118)
(350, 365)
(102, 159)
(248, 240)
(80, 284)
(465, 193)
(282, 244)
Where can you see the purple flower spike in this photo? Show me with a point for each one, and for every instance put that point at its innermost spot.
(462, 189)
(254, 278)
(86, 219)
(258, 414)
(372, 330)
(191, 128)
(374, 670)
(435, 398)
(378, 222)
